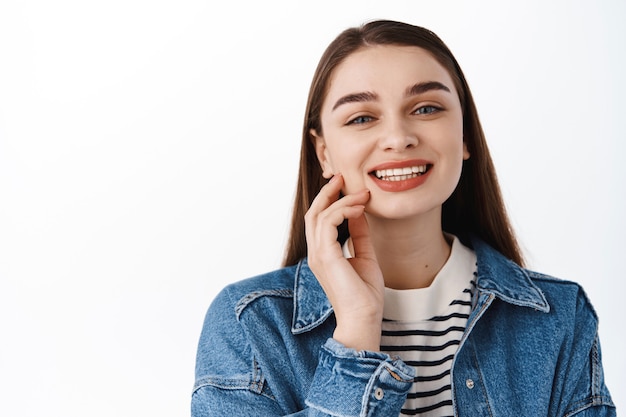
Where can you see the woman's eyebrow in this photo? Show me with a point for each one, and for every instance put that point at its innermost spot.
(414, 90)
(421, 88)
(356, 98)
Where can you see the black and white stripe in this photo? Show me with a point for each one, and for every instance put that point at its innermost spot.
(429, 346)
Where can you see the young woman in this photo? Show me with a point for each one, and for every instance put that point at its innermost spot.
(403, 290)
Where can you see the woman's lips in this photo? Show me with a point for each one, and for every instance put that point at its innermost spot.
(401, 175)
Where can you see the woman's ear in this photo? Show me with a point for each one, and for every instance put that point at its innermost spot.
(466, 153)
(322, 154)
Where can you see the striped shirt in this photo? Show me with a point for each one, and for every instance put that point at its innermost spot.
(424, 328)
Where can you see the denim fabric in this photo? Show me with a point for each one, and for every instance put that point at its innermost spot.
(530, 349)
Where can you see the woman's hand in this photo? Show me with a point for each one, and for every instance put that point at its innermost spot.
(355, 286)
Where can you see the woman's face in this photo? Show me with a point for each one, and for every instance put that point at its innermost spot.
(392, 123)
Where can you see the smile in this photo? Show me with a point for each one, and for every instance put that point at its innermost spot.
(401, 174)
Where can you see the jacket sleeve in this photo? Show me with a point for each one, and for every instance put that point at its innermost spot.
(590, 397)
(346, 383)
(358, 383)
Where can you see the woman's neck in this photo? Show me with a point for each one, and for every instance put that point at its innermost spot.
(410, 252)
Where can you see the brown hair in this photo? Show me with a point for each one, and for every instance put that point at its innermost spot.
(475, 208)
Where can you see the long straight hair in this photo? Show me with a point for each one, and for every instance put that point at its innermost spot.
(475, 208)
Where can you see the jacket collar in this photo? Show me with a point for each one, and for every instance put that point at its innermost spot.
(495, 275)
(505, 279)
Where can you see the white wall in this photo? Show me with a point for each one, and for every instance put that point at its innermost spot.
(148, 153)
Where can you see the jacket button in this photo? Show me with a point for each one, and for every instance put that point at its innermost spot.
(379, 394)
(469, 383)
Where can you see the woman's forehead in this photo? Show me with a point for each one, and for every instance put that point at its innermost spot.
(383, 67)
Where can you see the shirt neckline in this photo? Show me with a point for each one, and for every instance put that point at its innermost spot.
(424, 303)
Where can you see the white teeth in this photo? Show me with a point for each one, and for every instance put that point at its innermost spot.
(400, 174)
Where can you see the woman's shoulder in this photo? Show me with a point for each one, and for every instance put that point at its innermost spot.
(556, 284)
(525, 287)
(564, 295)
(240, 294)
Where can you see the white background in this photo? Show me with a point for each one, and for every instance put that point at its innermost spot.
(148, 156)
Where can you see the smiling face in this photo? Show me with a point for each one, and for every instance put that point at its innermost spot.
(392, 123)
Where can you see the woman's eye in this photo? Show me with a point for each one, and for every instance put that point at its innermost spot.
(427, 110)
(360, 120)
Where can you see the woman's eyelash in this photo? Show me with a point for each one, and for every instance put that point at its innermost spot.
(427, 110)
(360, 120)
(423, 110)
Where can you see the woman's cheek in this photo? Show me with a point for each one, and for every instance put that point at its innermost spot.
(353, 184)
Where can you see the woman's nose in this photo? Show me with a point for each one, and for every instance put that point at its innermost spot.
(397, 137)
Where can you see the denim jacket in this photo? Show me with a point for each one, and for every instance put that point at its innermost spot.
(530, 348)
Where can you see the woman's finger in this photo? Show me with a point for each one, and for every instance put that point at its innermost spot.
(328, 194)
(360, 235)
(325, 226)
(327, 210)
